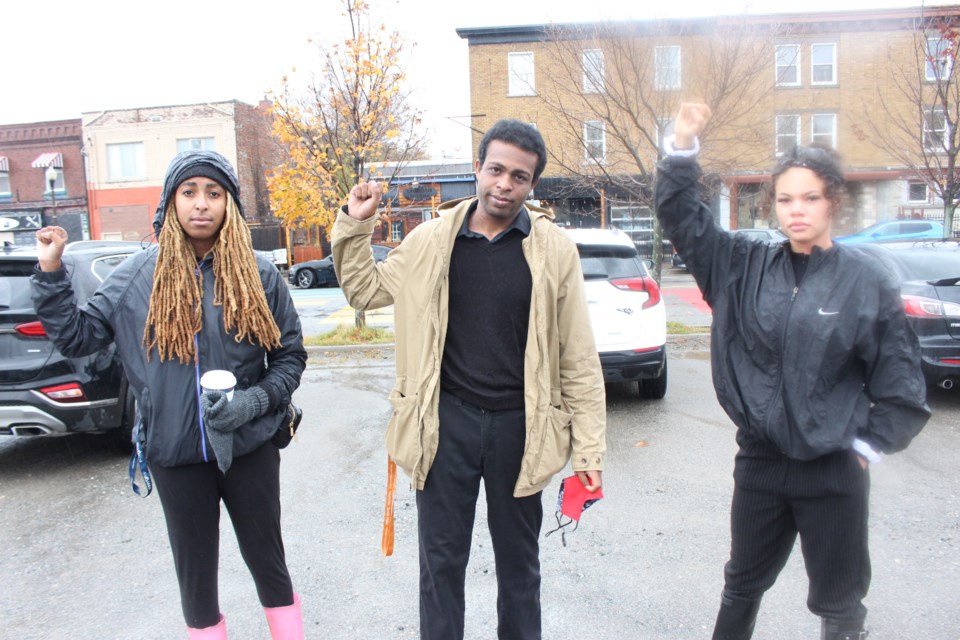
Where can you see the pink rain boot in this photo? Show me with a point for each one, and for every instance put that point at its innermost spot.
(286, 623)
(216, 632)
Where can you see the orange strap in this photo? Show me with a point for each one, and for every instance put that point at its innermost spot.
(386, 540)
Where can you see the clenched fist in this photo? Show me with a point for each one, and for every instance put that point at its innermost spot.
(689, 124)
(50, 244)
(364, 200)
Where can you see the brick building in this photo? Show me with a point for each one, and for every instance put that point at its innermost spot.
(27, 202)
(129, 150)
(603, 95)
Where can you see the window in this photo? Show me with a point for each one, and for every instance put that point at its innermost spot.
(5, 184)
(788, 65)
(594, 140)
(788, 133)
(666, 62)
(593, 71)
(823, 63)
(917, 192)
(823, 129)
(396, 230)
(193, 144)
(426, 214)
(521, 79)
(934, 130)
(125, 161)
(939, 59)
(664, 129)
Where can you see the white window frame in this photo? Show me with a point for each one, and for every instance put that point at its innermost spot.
(794, 64)
(208, 143)
(426, 215)
(593, 70)
(935, 44)
(117, 158)
(779, 134)
(926, 192)
(668, 67)
(396, 230)
(943, 132)
(521, 81)
(814, 65)
(598, 143)
(816, 136)
(5, 191)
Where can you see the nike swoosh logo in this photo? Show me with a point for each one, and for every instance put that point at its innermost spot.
(827, 313)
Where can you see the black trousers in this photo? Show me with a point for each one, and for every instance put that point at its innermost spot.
(825, 501)
(191, 495)
(478, 444)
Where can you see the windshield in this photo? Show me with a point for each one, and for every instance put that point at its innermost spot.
(930, 265)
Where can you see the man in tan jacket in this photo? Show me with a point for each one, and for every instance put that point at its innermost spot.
(498, 377)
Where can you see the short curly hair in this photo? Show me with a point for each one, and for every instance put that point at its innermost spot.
(519, 134)
(823, 161)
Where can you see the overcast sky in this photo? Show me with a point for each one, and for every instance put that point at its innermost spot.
(66, 57)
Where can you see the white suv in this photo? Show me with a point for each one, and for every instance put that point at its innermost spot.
(627, 313)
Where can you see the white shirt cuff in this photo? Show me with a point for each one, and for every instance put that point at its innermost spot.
(670, 150)
(866, 451)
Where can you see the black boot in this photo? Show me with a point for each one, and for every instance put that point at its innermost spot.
(736, 618)
(832, 629)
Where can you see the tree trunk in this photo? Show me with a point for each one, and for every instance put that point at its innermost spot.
(657, 249)
(360, 319)
(948, 210)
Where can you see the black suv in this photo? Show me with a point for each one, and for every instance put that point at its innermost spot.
(41, 391)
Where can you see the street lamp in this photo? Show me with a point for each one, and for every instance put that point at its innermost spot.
(51, 175)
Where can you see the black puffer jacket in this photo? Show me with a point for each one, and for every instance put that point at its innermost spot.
(167, 392)
(806, 369)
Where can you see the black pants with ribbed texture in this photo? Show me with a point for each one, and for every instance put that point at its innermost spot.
(825, 501)
(250, 490)
(478, 444)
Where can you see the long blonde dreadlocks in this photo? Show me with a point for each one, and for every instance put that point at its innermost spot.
(176, 300)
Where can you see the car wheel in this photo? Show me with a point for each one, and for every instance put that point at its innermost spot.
(305, 278)
(655, 388)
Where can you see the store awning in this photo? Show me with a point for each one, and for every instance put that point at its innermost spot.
(4, 165)
(47, 159)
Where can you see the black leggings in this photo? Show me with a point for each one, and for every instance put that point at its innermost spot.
(191, 495)
(826, 502)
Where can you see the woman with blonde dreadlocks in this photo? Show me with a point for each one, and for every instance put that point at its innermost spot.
(197, 301)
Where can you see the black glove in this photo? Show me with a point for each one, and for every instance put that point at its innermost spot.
(221, 417)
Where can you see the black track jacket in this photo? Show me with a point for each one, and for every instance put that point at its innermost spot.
(806, 369)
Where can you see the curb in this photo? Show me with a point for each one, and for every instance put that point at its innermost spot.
(686, 342)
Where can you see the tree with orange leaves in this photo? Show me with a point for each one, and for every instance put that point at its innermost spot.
(351, 117)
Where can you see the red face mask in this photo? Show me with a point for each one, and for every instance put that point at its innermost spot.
(573, 500)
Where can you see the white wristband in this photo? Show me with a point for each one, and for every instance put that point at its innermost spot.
(866, 451)
(671, 150)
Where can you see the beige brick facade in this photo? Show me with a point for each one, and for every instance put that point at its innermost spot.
(872, 50)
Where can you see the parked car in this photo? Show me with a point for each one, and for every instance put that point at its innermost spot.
(896, 230)
(626, 311)
(767, 235)
(42, 392)
(320, 273)
(929, 275)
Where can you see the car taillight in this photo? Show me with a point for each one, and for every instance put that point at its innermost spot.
(644, 284)
(70, 392)
(31, 329)
(921, 307)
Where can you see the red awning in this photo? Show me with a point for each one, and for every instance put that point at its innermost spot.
(47, 159)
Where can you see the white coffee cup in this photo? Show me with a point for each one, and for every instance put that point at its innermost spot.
(219, 380)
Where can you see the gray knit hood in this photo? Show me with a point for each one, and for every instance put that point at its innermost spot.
(189, 164)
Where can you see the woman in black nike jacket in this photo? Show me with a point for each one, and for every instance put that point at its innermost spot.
(814, 362)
